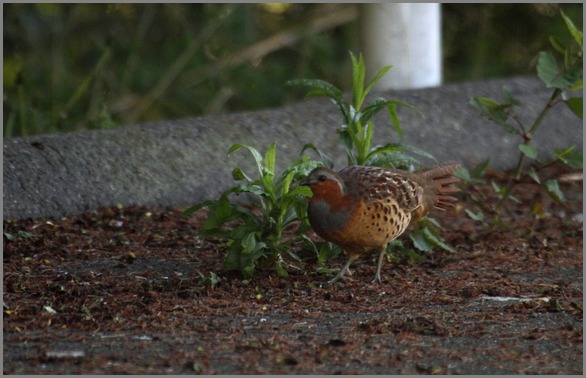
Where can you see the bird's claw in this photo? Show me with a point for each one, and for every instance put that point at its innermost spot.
(376, 279)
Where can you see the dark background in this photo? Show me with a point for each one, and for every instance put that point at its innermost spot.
(82, 66)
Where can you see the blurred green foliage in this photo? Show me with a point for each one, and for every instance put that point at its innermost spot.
(79, 66)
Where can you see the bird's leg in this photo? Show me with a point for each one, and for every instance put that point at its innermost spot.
(379, 265)
(343, 270)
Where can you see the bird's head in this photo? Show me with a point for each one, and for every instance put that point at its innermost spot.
(324, 183)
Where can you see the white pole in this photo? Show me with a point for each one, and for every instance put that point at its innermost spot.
(406, 36)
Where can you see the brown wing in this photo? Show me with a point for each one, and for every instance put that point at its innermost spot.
(374, 183)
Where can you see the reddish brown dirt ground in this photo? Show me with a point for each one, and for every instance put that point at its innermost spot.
(130, 291)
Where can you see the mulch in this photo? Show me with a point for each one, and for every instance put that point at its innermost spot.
(134, 290)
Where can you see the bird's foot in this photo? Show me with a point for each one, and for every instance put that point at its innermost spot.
(343, 271)
(339, 277)
(377, 279)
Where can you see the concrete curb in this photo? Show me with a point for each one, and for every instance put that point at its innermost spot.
(179, 163)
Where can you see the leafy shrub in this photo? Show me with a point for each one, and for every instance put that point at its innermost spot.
(565, 78)
(256, 237)
(357, 127)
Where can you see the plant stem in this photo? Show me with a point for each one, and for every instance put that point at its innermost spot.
(549, 105)
(527, 136)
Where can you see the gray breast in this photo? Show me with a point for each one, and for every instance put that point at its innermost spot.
(322, 218)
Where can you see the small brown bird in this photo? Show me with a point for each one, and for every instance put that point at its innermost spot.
(363, 208)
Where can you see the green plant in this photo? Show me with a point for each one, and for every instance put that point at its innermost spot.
(356, 135)
(19, 236)
(565, 79)
(212, 280)
(255, 235)
(357, 128)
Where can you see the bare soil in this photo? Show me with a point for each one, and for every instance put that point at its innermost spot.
(135, 291)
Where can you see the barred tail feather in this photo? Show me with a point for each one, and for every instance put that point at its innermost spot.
(443, 179)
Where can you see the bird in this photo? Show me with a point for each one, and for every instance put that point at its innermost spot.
(363, 208)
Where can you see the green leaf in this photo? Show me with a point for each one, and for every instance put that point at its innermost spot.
(221, 211)
(268, 173)
(320, 88)
(435, 240)
(324, 253)
(491, 108)
(479, 216)
(549, 72)
(577, 86)
(368, 131)
(281, 271)
(553, 189)
(392, 160)
(417, 151)
(214, 279)
(533, 174)
(547, 68)
(529, 150)
(270, 157)
(248, 270)
(508, 97)
(420, 241)
(325, 89)
(248, 243)
(383, 71)
(372, 109)
(253, 151)
(394, 117)
(495, 112)
(345, 138)
(233, 261)
(358, 74)
(430, 222)
(561, 153)
(357, 132)
(22, 234)
(476, 175)
(254, 187)
(391, 105)
(497, 189)
(285, 184)
(9, 236)
(388, 148)
(196, 207)
(350, 140)
(245, 250)
(463, 174)
(574, 31)
(576, 105)
(301, 167)
(238, 175)
(570, 156)
(478, 171)
(557, 44)
(328, 162)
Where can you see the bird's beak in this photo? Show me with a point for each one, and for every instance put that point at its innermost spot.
(305, 183)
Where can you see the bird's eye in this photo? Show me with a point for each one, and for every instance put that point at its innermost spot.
(322, 178)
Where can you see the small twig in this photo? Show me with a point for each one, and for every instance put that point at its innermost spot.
(179, 64)
(570, 177)
(273, 43)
